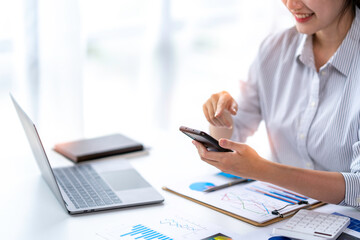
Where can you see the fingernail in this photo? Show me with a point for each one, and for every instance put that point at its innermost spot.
(222, 142)
(217, 113)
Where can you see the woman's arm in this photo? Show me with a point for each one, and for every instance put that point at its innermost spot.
(321, 185)
(244, 161)
(220, 132)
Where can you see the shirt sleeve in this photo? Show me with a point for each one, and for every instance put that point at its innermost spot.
(248, 116)
(352, 179)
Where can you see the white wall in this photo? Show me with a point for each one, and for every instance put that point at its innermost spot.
(131, 65)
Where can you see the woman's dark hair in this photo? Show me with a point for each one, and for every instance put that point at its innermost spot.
(350, 5)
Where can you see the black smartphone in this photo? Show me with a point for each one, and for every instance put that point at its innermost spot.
(208, 141)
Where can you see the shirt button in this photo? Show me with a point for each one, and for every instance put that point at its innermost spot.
(313, 103)
(323, 73)
(308, 164)
(302, 136)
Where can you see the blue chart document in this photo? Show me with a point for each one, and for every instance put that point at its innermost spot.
(165, 227)
(141, 232)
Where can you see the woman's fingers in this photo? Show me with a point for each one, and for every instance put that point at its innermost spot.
(209, 113)
(217, 109)
(235, 146)
(243, 161)
(234, 107)
(208, 155)
(226, 102)
(219, 160)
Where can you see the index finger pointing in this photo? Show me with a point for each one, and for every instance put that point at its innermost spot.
(221, 106)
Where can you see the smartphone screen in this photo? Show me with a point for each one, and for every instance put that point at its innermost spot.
(208, 141)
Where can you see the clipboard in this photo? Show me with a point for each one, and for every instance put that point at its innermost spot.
(237, 215)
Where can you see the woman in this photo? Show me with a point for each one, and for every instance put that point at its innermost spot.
(305, 85)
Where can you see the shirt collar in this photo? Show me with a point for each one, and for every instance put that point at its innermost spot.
(304, 52)
(342, 58)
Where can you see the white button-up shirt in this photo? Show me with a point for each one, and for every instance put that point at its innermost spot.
(312, 118)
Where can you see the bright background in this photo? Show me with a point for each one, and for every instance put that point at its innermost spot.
(84, 68)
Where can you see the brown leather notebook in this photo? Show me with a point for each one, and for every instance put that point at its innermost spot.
(92, 148)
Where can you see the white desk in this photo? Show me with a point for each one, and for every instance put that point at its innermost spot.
(35, 213)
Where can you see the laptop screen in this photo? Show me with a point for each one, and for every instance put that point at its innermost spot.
(38, 151)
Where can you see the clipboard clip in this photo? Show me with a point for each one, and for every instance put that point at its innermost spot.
(277, 211)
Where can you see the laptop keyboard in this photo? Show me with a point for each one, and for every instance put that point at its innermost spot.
(84, 187)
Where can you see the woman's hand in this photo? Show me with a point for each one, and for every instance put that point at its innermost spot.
(219, 108)
(243, 161)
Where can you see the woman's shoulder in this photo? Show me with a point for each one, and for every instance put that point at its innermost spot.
(280, 43)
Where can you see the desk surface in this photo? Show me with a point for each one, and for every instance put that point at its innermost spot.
(31, 211)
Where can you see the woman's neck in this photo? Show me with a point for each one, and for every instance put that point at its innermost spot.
(327, 41)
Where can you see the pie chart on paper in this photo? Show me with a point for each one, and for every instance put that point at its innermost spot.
(201, 186)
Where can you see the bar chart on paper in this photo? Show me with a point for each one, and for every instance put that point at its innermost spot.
(142, 232)
(165, 227)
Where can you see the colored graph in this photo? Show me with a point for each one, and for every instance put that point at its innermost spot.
(255, 200)
(266, 199)
(201, 186)
(249, 203)
(141, 232)
(278, 193)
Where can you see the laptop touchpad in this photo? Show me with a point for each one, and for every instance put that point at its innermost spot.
(125, 179)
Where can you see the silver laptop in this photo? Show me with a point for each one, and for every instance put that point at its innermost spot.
(93, 186)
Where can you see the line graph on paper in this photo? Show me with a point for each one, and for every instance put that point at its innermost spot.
(254, 200)
(253, 205)
(182, 224)
(257, 200)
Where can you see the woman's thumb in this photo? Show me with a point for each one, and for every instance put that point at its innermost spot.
(228, 144)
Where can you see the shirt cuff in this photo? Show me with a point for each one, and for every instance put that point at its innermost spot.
(352, 190)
